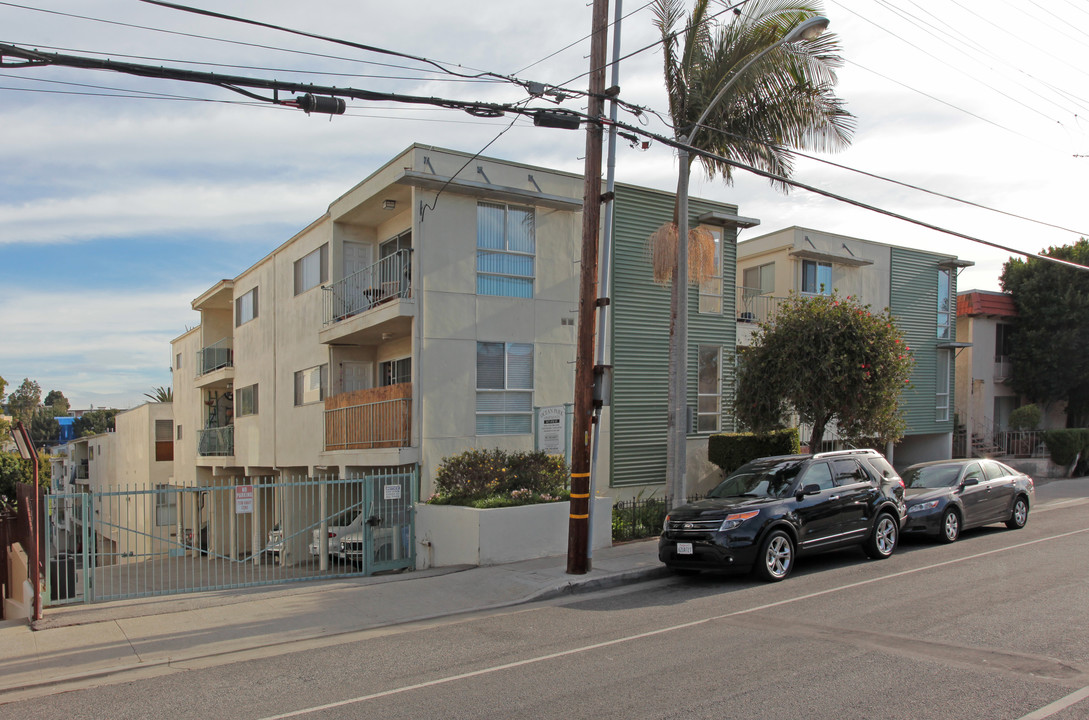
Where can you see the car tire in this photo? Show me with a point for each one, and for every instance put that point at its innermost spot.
(1019, 516)
(882, 541)
(949, 530)
(776, 557)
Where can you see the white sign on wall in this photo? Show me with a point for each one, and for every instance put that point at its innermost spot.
(552, 430)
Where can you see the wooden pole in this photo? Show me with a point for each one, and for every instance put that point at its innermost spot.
(578, 562)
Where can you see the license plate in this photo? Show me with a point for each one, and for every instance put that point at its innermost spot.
(684, 548)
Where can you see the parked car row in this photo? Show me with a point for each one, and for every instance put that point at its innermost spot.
(771, 511)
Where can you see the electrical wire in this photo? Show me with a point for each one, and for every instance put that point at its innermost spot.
(583, 39)
(899, 182)
(218, 39)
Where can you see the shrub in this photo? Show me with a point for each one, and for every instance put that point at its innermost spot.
(497, 478)
(1064, 445)
(1026, 417)
(732, 450)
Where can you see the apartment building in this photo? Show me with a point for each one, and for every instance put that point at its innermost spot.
(430, 310)
(918, 287)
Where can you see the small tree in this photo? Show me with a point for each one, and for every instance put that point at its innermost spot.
(23, 402)
(57, 402)
(826, 358)
(1026, 417)
(94, 422)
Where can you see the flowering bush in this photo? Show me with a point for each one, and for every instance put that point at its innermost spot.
(497, 478)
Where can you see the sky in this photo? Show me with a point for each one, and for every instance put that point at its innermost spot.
(123, 198)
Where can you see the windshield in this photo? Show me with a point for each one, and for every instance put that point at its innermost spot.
(770, 479)
(932, 476)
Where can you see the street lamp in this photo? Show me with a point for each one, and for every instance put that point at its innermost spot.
(678, 361)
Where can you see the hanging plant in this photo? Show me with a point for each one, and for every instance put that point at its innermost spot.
(662, 248)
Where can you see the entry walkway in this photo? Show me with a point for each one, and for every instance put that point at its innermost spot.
(79, 644)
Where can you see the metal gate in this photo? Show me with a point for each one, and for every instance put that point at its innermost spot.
(128, 543)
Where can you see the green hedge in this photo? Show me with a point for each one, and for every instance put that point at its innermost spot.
(497, 478)
(1064, 445)
(732, 450)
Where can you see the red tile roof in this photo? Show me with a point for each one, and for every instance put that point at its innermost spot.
(986, 303)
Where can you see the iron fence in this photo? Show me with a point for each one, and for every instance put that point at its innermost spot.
(642, 517)
(140, 542)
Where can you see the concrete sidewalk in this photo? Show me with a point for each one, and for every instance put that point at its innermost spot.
(76, 644)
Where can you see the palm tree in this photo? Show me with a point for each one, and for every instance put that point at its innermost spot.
(781, 97)
(161, 394)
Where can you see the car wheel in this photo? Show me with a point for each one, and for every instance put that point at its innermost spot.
(882, 540)
(950, 528)
(1019, 516)
(776, 557)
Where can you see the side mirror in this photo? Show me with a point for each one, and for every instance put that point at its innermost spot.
(968, 482)
(811, 489)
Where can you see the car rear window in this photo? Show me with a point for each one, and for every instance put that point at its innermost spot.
(880, 466)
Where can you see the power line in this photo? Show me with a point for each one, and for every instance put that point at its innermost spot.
(900, 183)
(583, 39)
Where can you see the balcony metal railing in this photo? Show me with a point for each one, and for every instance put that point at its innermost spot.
(389, 278)
(380, 424)
(1023, 443)
(215, 356)
(1003, 368)
(752, 307)
(216, 441)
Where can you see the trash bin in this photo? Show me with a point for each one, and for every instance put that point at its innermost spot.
(62, 577)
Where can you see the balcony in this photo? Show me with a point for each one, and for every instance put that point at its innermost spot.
(369, 419)
(371, 305)
(216, 442)
(753, 309)
(215, 363)
(1003, 368)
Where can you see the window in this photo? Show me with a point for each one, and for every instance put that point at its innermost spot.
(311, 270)
(943, 304)
(941, 383)
(1002, 344)
(245, 400)
(816, 277)
(311, 384)
(166, 505)
(506, 245)
(245, 307)
(179, 437)
(709, 389)
(178, 361)
(848, 472)
(759, 280)
(504, 388)
(393, 372)
(818, 474)
(164, 440)
(711, 288)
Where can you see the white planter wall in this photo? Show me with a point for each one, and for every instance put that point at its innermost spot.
(453, 535)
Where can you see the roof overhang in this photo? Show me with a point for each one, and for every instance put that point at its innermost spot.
(833, 258)
(722, 219)
(952, 263)
(486, 190)
(953, 345)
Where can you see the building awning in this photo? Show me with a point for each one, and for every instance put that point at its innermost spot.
(833, 258)
(953, 345)
(726, 220)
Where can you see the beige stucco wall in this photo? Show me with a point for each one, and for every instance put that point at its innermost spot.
(869, 282)
(187, 407)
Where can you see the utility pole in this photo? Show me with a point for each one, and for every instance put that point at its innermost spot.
(578, 561)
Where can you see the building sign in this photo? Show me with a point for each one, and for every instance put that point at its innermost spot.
(552, 430)
(243, 499)
(391, 492)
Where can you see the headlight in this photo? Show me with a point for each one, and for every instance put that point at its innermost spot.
(736, 519)
(923, 507)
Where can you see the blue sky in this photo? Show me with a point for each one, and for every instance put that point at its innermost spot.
(115, 212)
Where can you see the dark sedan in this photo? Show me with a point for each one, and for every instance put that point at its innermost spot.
(946, 497)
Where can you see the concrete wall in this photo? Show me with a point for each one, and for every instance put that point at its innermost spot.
(453, 535)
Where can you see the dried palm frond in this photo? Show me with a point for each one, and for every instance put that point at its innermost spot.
(701, 255)
(662, 249)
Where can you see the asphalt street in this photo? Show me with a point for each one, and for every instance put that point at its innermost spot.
(993, 626)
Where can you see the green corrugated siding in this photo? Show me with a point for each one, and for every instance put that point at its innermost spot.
(640, 336)
(914, 302)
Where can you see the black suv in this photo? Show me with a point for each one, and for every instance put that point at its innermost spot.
(772, 510)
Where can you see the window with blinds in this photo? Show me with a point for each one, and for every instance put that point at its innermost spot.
(311, 384)
(506, 248)
(164, 440)
(312, 270)
(245, 400)
(504, 388)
